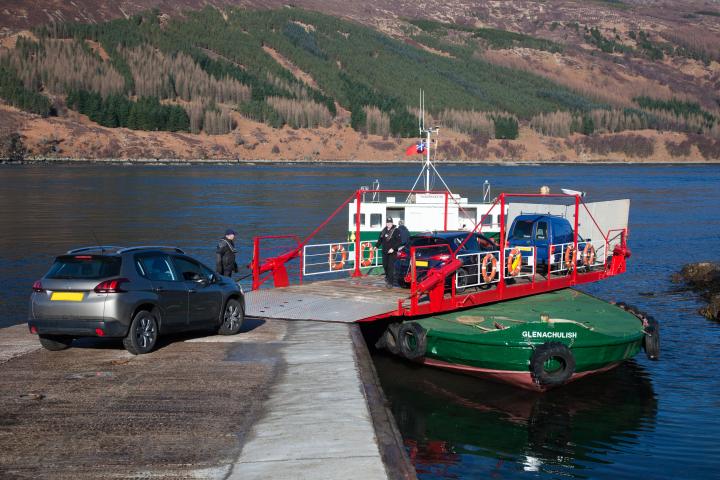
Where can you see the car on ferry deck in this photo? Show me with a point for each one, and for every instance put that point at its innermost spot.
(436, 253)
(135, 293)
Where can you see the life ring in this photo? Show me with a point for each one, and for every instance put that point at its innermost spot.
(334, 251)
(366, 262)
(412, 338)
(489, 276)
(514, 262)
(558, 352)
(570, 257)
(588, 255)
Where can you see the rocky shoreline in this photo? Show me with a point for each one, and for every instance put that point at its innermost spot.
(704, 278)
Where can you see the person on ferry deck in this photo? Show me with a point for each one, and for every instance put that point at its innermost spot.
(403, 232)
(389, 241)
(225, 254)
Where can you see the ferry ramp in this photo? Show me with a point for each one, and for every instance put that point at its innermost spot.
(344, 300)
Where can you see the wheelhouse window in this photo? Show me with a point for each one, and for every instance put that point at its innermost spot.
(362, 219)
(376, 219)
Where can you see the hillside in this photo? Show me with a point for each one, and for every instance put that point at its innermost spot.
(494, 73)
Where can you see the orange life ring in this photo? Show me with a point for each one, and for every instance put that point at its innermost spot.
(588, 255)
(366, 262)
(570, 257)
(514, 262)
(334, 251)
(489, 276)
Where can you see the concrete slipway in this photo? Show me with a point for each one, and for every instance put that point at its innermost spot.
(281, 400)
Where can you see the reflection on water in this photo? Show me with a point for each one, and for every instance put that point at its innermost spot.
(617, 425)
(456, 426)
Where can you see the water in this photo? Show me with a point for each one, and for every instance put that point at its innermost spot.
(644, 419)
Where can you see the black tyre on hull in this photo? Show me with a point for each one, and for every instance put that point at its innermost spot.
(412, 340)
(142, 334)
(55, 343)
(651, 340)
(560, 355)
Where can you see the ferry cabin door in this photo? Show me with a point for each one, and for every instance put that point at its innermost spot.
(397, 214)
(466, 218)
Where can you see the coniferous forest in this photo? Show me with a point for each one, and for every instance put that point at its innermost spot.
(193, 73)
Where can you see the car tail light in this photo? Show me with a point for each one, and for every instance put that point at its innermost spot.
(111, 286)
(402, 254)
(37, 287)
(33, 330)
(441, 257)
(99, 332)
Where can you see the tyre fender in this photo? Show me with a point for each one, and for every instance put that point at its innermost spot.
(412, 340)
(545, 352)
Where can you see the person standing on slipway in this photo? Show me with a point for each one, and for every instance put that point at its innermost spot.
(389, 241)
(225, 254)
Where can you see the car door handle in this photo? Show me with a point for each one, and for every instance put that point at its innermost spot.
(192, 290)
(158, 289)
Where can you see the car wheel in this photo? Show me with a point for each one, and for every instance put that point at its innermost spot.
(55, 343)
(462, 280)
(142, 334)
(232, 318)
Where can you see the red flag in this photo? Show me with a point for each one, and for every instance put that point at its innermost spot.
(416, 149)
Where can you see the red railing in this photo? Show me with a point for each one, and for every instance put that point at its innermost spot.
(434, 283)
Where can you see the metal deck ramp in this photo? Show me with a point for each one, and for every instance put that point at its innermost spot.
(343, 300)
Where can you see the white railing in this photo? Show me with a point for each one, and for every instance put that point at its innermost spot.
(335, 257)
(558, 252)
(473, 265)
(526, 265)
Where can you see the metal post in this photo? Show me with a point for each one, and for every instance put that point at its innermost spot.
(446, 211)
(501, 283)
(357, 272)
(427, 163)
(256, 264)
(413, 283)
(575, 240)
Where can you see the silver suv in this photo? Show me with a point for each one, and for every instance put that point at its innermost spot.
(134, 293)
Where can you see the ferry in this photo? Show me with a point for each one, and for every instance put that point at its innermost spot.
(301, 277)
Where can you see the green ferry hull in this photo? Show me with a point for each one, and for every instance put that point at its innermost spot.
(498, 341)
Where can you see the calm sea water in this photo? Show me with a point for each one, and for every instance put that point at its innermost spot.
(643, 420)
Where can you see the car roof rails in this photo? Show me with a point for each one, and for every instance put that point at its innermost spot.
(152, 247)
(94, 247)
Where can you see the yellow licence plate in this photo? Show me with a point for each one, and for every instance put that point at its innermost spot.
(525, 249)
(67, 296)
(421, 263)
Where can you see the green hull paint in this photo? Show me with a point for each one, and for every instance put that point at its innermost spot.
(599, 334)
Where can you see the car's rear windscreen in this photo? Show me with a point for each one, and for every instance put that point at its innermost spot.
(84, 267)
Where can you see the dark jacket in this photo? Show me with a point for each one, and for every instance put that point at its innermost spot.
(404, 234)
(225, 257)
(389, 238)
